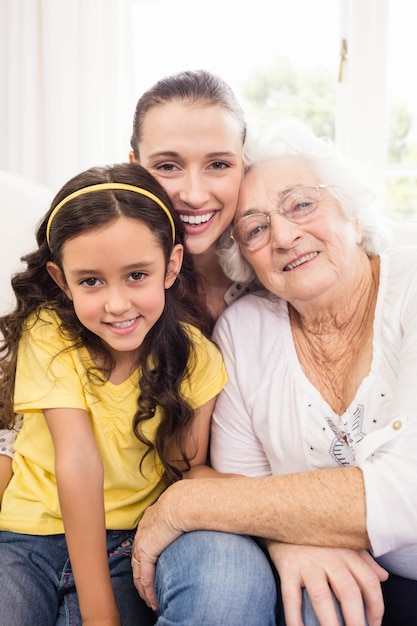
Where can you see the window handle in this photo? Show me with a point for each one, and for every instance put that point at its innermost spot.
(343, 57)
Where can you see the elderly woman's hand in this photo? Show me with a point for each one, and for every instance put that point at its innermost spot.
(156, 531)
(353, 576)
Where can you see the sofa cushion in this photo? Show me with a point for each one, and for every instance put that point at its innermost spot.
(22, 204)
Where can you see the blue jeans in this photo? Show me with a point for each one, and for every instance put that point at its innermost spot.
(204, 578)
(210, 578)
(307, 612)
(219, 579)
(37, 586)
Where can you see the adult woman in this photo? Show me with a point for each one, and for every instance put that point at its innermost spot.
(188, 131)
(333, 356)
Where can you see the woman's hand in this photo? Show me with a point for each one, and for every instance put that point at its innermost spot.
(156, 531)
(353, 576)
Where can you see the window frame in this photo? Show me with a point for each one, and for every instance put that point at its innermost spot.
(361, 129)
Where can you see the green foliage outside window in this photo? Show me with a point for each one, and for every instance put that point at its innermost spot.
(281, 90)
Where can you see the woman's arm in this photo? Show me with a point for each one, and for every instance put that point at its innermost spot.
(79, 474)
(323, 507)
(319, 508)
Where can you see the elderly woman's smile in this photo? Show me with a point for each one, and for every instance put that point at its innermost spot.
(300, 261)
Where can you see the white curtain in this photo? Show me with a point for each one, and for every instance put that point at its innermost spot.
(67, 88)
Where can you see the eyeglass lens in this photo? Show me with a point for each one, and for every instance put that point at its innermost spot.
(253, 231)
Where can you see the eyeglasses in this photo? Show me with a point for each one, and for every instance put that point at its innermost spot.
(254, 231)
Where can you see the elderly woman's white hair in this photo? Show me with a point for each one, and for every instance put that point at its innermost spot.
(291, 136)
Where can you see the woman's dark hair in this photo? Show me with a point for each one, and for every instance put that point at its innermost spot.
(165, 353)
(193, 87)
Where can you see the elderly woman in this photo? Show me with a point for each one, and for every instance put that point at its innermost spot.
(320, 412)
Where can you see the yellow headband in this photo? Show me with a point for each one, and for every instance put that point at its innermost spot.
(110, 186)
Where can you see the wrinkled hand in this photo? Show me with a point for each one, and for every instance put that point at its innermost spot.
(156, 531)
(353, 576)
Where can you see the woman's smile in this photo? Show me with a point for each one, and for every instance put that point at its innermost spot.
(196, 223)
(301, 261)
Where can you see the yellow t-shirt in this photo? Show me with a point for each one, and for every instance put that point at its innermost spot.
(51, 376)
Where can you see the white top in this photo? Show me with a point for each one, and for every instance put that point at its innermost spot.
(7, 437)
(270, 419)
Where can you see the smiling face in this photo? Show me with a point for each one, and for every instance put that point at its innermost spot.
(116, 278)
(195, 152)
(303, 262)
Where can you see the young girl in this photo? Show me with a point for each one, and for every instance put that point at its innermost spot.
(106, 356)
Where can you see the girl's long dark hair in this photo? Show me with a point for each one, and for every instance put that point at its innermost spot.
(165, 354)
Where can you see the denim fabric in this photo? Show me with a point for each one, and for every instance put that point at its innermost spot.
(309, 616)
(400, 599)
(37, 586)
(204, 578)
(307, 612)
(210, 578)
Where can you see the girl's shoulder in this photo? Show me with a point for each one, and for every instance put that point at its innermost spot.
(205, 354)
(42, 317)
(44, 328)
(206, 374)
(199, 341)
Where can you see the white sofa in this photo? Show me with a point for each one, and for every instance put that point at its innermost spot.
(22, 205)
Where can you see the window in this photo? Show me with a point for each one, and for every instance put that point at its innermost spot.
(286, 59)
(402, 107)
(280, 58)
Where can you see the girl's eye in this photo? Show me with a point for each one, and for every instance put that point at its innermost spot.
(219, 165)
(90, 282)
(135, 276)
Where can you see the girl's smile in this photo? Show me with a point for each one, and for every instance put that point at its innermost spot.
(124, 327)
